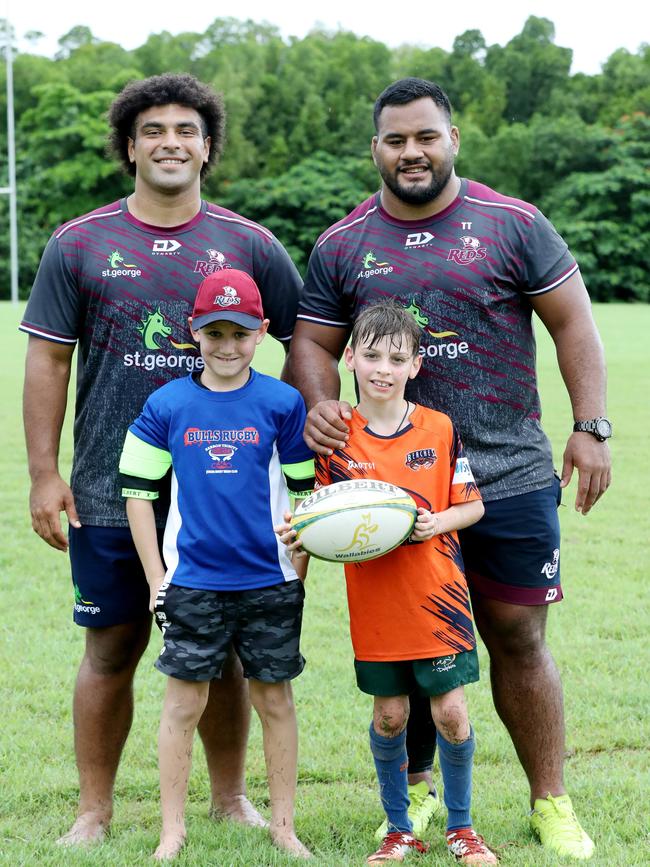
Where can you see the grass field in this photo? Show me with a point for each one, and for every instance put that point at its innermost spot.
(599, 635)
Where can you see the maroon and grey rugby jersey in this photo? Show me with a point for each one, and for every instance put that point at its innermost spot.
(123, 290)
(467, 275)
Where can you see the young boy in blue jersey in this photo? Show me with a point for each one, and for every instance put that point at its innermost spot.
(231, 437)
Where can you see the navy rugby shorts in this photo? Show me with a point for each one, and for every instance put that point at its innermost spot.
(513, 553)
(109, 585)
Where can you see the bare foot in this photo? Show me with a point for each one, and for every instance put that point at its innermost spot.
(239, 809)
(288, 841)
(89, 828)
(169, 847)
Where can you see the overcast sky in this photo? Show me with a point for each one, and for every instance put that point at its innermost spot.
(592, 30)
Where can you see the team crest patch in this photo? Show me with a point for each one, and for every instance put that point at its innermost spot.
(470, 252)
(221, 455)
(444, 663)
(228, 298)
(422, 459)
(221, 446)
(216, 262)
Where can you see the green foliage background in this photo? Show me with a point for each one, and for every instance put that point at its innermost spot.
(300, 121)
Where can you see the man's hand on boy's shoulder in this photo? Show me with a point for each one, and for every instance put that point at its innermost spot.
(326, 427)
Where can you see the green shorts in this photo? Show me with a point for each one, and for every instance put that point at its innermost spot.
(428, 676)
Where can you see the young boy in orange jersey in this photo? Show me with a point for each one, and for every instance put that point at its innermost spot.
(410, 617)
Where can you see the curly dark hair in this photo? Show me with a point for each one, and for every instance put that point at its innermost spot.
(182, 89)
(408, 90)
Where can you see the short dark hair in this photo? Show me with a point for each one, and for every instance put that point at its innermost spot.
(182, 89)
(386, 320)
(408, 90)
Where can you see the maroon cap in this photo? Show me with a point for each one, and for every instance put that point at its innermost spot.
(228, 294)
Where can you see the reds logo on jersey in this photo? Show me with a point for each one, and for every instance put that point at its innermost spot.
(471, 251)
(217, 262)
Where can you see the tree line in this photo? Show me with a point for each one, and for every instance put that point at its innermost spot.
(299, 123)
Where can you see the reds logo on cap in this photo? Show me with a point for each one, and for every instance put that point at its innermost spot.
(228, 298)
(230, 294)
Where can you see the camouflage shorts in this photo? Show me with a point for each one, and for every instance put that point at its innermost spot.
(262, 625)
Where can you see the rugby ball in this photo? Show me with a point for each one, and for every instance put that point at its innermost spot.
(355, 520)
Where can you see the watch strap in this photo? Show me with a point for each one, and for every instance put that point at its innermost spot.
(600, 427)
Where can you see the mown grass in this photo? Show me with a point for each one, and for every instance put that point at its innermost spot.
(599, 636)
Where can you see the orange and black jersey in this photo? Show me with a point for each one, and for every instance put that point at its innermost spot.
(412, 603)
